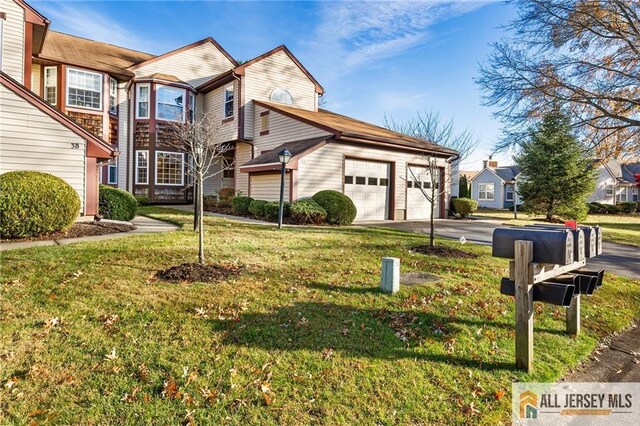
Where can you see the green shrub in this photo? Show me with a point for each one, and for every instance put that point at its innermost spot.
(597, 208)
(340, 209)
(465, 206)
(34, 203)
(593, 208)
(272, 209)
(256, 208)
(452, 207)
(117, 204)
(578, 212)
(225, 195)
(142, 200)
(240, 205)
(611, 209)
(209, 202)
(307, 211)
(627, 207)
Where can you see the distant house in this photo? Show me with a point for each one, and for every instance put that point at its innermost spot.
(616, 182)
(494, 187)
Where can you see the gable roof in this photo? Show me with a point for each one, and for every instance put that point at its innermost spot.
(282, 48)
(269, 160)
(348, 128)
(630, 170)
(182, 49)
(91, 54)
(96, 147)
(31, 14)
(507, 173)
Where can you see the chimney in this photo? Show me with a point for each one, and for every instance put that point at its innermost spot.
(491, 164)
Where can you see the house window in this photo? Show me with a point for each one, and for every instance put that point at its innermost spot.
(192, 107)
(228, 102)
(622, 195)
(609, 191)
(282, 96)
(142, 100)
(228, 171)
(486, 191)
(509, 193)
(51, 85)
(112, 176)
(142, 167)
(169, 168)
(84, 89)
(264, 123)
(170, 103)
(634, 194)
(113, 95)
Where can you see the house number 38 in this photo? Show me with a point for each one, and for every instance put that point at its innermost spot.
(75, 145)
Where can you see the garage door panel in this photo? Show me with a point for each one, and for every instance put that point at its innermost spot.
(367, 184)
(418, 207)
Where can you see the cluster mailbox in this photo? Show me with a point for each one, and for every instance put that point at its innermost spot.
(549, 246)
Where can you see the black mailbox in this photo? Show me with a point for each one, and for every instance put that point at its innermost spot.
(579, 251)
(586, 284)
(598, 274)
(594, 232)
(549, 246)
(547, 292)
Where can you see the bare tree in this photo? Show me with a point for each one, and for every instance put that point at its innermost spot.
(200, 139)
(579, 55)
(430, 127)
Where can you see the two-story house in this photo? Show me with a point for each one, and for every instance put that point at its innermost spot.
(131, 99)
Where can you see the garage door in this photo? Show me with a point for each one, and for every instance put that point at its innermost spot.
(418, 208)
(367, 184)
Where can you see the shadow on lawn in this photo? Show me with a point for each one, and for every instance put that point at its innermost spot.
(351, 331)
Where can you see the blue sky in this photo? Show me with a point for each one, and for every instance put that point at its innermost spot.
(373, 58)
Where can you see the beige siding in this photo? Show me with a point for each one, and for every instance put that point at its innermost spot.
(243, 154)
(267, 187)
(217, 181)
(282, 129)
(323, 169)
(277, 71)
(13, 40)
(36, 71)
(31, 140)
(214, 105)
(123, 125)
(193, 66)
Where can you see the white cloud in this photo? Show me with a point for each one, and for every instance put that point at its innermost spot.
(354, 34)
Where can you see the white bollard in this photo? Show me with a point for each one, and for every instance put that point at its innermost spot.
(390, 280)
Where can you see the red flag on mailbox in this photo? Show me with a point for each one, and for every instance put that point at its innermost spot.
(571, 224)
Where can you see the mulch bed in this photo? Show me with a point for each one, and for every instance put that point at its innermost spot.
(78, 229)
(196, 272)
(443, 251)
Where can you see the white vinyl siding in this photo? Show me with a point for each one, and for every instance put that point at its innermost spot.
(31, 140)
(143, 97)
(267, 187)
(282, 129)
(50, 91)
(84, 89)
(243, 154)
(214, 104)
(484, 178)
(193, 66)
(13, 40)
(604, 181)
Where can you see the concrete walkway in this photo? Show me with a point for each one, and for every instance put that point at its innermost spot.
(189, 208)
(144, 225)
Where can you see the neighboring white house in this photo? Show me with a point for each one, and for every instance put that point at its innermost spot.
(616, 182)
(494, 187)
(130, 99)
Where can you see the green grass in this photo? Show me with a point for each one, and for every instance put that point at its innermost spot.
(302, 335)
(617, 228)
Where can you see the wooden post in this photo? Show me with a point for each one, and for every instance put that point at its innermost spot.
(573, 317)
(524, 304)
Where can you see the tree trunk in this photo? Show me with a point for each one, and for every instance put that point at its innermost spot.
(432, 242)
(200, 222)
(196, 202)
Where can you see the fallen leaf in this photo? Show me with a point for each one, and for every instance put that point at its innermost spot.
(111, 356)
(11, 383)
(499, 394)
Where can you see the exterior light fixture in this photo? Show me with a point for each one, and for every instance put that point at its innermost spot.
(283, 156)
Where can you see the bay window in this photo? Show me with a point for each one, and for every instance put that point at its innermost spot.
(170, 103)
(169, 168)
(228, 102)
(142, 167)
(84, 89)
(486, 191)
(142, 100)
(51, 85)
(113, 95)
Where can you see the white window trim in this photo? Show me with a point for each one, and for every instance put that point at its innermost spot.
(115, 96)
(181, 163)
(101, 89)
(507, 192)
(609, 190)
(55, 86)
(146, 181)
(184, 107)
(192, 105)
(224, 102)
(109, 181)
(486, 185)
(148, 101)
(264, 123)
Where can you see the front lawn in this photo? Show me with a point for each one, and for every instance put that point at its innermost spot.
(617, 228)
(88, 335)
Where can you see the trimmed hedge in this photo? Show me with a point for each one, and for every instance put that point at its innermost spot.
(34, 203)
(116, 204)
(340, 209)
(464, 206)
(256, 208)
(307, 211)
(628, 207)
(240, 205)
(142, 200)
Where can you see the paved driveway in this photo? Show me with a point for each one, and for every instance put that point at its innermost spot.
(621, 259)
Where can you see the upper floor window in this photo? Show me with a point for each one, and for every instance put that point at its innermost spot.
(282, 96)
(170, 103)
(84, 89)
(486, 191)
(228, 102)
(264, 123)
(51, 85)
(113, 95)
(142, 100)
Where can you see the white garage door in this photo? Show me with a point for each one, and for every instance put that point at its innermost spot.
(367, 184)
(418, 208)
